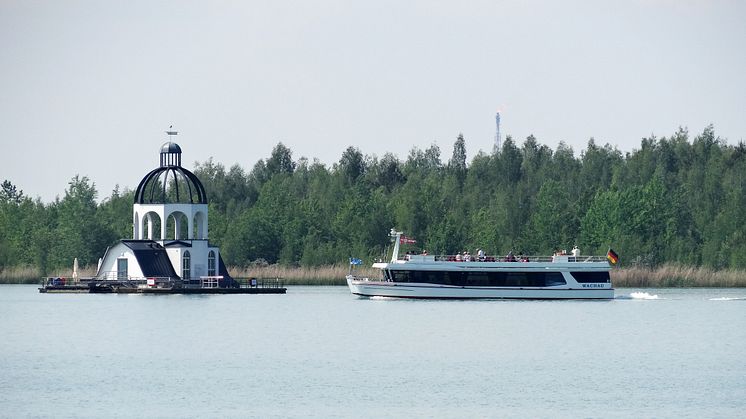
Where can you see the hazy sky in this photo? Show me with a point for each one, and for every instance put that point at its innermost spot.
(89, 87)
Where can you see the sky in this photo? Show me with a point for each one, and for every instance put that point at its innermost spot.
(89, 87)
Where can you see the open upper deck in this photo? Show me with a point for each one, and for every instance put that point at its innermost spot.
(521, 258)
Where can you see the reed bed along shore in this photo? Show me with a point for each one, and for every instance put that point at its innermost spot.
(33, 275)
(677, 276)
(667, 276)
(321, 275)
(20, 275)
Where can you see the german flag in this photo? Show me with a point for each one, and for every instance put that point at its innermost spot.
(407, 240)
(612, 256)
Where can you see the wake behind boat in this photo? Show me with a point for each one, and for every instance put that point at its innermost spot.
(561, 276)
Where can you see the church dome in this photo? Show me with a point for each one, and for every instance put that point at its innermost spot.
(170, 147)
(170, 183)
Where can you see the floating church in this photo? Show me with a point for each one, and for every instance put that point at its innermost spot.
(170, 230)
(170, 251)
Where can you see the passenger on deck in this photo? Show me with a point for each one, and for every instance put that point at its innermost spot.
(458, 257)
(467, 257)
(480, 255)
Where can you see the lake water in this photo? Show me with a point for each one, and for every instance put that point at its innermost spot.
(321, 352)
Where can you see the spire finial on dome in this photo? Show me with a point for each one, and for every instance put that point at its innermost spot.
(170, 151)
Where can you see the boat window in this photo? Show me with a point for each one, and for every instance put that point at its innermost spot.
(586, 277)
(430, 277)
(400, 276)
(417, 276)
(453, 278)
(553, 279)
(479, 279)
(516, 279)
(435, 277)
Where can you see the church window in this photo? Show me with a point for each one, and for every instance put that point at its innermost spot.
(211, 263)
(186, 265)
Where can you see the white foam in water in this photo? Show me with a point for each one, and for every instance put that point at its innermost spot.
(643, 296)
(727, 298)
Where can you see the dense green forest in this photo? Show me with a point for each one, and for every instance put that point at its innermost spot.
(674, 200)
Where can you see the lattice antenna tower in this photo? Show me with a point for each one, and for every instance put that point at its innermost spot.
(498, 138)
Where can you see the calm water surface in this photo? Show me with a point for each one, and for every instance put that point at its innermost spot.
(321, 352)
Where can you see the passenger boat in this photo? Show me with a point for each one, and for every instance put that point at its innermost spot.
(561, 276)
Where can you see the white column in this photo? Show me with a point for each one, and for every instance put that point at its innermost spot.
(190, 223)
(203, 228)
(164, 221)
(136, 226)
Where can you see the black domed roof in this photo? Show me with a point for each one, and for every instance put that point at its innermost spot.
(170, 183)
(170, 147)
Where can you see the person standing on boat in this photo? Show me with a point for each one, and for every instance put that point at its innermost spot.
(458, 257)
(480, 255)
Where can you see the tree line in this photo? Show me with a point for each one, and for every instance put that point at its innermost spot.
(674, 199)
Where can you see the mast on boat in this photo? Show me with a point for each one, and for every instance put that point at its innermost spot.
(396, 235)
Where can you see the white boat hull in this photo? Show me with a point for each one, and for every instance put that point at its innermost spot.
(369, 288)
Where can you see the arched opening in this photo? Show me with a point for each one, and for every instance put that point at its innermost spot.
(200, 226)
(211, 271)
(186, 265)
(177, 226)
(151, 226)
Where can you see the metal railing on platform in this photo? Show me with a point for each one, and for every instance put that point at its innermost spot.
(108, 280)
(210, 281)
(260, 282)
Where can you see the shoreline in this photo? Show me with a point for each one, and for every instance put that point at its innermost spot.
(667, 276)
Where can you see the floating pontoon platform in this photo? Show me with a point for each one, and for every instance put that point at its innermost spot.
(161, 286)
